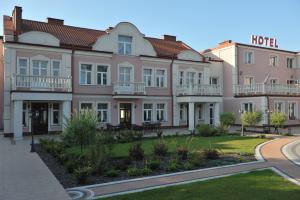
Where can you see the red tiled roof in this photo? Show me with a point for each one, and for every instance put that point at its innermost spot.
(85, 38)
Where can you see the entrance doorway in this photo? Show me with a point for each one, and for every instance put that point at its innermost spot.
(39, 118)
(125, 115)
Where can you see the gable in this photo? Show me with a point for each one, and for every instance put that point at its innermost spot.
(37, 37)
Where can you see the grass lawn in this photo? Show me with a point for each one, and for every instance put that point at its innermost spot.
(226, 144)
(259, 185)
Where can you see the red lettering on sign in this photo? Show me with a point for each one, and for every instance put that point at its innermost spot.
(271, 42)
(260, 40)
(276, 43)
(254, 39)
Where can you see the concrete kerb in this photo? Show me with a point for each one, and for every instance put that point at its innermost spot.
(285, 176)
(286, 151)
(258, 155)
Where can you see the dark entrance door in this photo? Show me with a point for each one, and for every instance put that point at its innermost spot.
(39, 118)
(125, 115)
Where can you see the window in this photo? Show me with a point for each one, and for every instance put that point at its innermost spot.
(248, 80)
(160, 112)
(292, 110)
(39, 68)
(273, 81)
(86, 106)
(247, 107)
(160, 78)
(181, 78)
(190, 79)
(148, 112)
(273, 61)
(289, 62)
(248, 57)
(181, 112)
(23, 66)
(199, 78)
(55, 68)
(124, 45)
(148, 77)
(200, 111)
(102, 110)
(278, 106)
(102, 75)
(291, 82)
(86, 74)
(124, 74)
(213, 80)
(25, 115)
(55, 114)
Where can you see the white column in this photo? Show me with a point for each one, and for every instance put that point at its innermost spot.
(66, 108)
(217, 114)
(18, 132)
(175, 113)
(191, 116)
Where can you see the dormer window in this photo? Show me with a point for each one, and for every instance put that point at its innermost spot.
(124, 44)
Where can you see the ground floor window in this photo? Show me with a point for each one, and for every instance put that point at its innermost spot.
(200, 111)
(148, 112)
(278, 107)
(292, 110)
(55, 114)
(247, 107)
(181, 112)
(160, 112)
(86, 106)
(102, 111)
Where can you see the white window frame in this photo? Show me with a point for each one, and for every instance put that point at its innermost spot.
(273, 79)
(275, 107)
(291, 80)
(60, 67)
(200, 109)
(108, 110)
(181, 78)
(276, 60)
(18, 65)
(165, 77)
(216, 77)
(165, 111)
(92, 72)
(293, 62)
(191, 80)
(246, 57)
(296, 109)
(52, 110)
(248, 102)
(108, 74)
(131, 71)
(250, 77)
(152, 111)
(124, 45)
(152, 76)
(199, 80)
(86, 102)
(40, 58)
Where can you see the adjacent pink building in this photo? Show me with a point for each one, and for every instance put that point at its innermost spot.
(50, 70)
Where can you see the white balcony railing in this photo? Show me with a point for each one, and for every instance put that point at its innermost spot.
(129, 88)
(260, 88)
(51, 83)
(199, 89)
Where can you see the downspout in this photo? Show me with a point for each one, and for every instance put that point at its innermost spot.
(172, 87)
(72, 73)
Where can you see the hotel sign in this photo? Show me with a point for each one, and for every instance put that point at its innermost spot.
(264, 41)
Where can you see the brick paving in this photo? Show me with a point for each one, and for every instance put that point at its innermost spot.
(271, 152)
(24, 176)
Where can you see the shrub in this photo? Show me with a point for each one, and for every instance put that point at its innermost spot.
(220, 130)
(137, 152)
(251, 118)
(154, 164)
(227, 119)
(188, 166)
(173, 166)
(159, 134)
(82, 173)
(182, 152)
(205, 130)
(70, 166)
(112, 173)
(129, 136)
(80, 129)
(146, 171)
(134, 171)
(263, 136)
(123, 164)
(211, 153)
(277, 119)
(196, 159)
(160, 148)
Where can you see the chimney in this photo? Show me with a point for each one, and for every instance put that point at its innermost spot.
(17, 19)
(225, 42)
(55, 21)
(169, 38)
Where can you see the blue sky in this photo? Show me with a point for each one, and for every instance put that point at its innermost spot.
(201, 24)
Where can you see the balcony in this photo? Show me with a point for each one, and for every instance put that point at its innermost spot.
(266, 89)
(132, 88)
(199, 89)
(41, 83)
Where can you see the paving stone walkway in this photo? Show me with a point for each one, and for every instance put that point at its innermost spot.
(24, 176)
(271, 153)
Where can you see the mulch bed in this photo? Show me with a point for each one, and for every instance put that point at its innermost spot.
(68, 180)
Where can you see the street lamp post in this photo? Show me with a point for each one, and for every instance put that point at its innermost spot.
(32, 116)
(241, 112)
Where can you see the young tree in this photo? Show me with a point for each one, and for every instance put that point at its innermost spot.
(251, 118)
(227, 119)
(277, 119)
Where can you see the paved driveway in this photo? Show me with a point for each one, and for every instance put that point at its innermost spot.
(24, 176)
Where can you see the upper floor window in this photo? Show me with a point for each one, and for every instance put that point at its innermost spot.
(190, 78)
(213, 80)
(124, 45)
(56, 68)
(291, 82)
(181, 77)
(160, 78)
(273, 61)
(125, 74)
(23, 66)
(102, 75)
(39, 68)
(248, 80)
(148, 75)
(102, 110)
(273, 81)
(199, 78)
(86, 74)
(289, 62)
(248, 57)
(278, 106)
